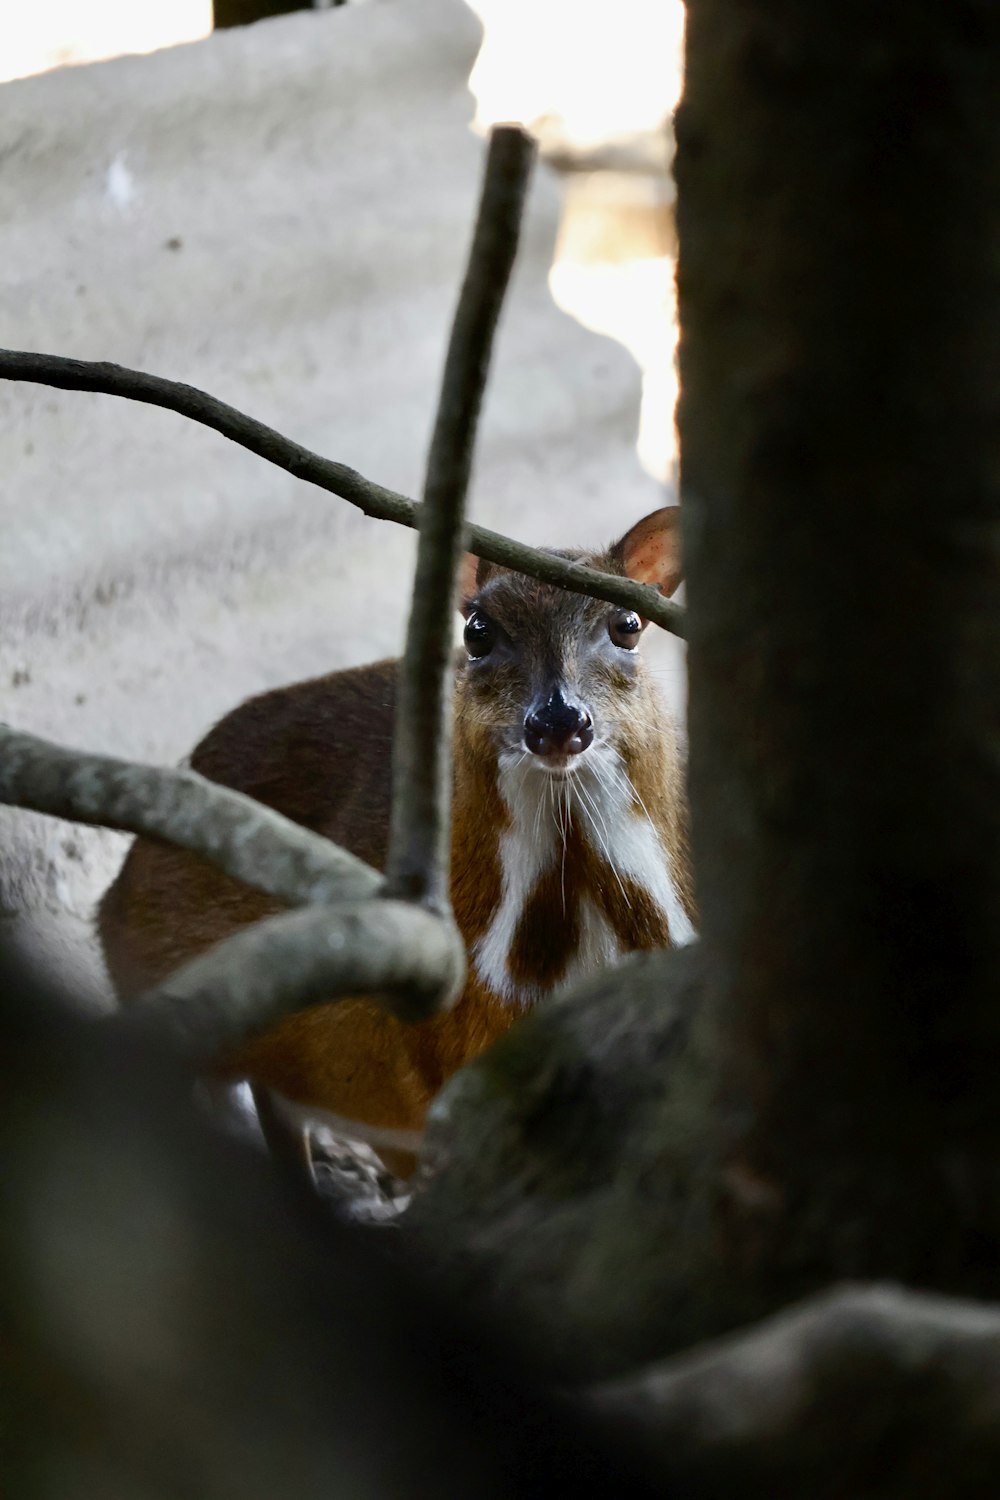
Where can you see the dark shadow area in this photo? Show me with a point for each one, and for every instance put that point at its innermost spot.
(243, 12)
(176, 1320)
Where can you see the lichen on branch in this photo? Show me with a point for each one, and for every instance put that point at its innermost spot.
(411, 961)
(244, 838)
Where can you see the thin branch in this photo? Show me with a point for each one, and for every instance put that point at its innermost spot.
(409, 960)
(244, 838)
(576, 577)
(373, 499)
(115, 380)
(417, 867)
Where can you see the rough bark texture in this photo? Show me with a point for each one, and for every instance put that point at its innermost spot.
(840, 425)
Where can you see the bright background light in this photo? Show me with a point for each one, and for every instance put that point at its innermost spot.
(604, 70)
(580, 73)
(36, 35)
(584, 75)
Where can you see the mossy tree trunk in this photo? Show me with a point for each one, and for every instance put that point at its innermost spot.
(839, 215)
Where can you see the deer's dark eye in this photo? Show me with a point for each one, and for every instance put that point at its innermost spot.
(625, 628)
(480, 637)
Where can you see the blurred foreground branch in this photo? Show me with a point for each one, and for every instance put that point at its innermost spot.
(871, 1390)
(177, 1321)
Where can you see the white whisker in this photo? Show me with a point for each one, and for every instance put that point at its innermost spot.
(603, 837)
(564, 817)
(625, 781)
(618, 827)
(678, 922)
(539, 804)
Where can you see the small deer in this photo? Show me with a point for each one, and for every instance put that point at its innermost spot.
(568, 844)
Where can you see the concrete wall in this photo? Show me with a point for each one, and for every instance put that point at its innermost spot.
(280, 215)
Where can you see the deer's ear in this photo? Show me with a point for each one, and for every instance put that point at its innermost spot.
(466, 581)
(651, 551)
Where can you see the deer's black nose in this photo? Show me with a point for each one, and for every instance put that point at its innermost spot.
(557, 727)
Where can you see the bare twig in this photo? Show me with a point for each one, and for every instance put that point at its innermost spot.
(644, 598)
(409, 960)
(373, 499)
(134, 385)
(420, 836)
(243, 837)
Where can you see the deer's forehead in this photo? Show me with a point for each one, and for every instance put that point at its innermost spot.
(538, 615)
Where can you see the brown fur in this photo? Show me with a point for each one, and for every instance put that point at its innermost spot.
(548, 932)
(297, 750)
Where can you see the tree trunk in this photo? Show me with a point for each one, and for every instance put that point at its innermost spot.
(839, 219)
(244, 12)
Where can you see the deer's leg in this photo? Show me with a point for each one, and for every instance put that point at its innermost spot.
(287, 1137)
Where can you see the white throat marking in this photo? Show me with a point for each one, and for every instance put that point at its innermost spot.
(601, 799)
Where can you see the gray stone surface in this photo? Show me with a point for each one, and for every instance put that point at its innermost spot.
(278, 214)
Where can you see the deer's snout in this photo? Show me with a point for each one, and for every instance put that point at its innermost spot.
(557, 727)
